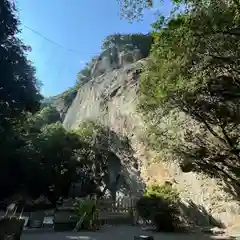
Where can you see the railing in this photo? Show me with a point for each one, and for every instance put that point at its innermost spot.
(120, 206)
(121, 211)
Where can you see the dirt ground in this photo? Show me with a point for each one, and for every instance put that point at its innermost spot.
(114, 233)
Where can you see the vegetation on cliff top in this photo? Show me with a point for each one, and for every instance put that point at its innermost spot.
(112, 45)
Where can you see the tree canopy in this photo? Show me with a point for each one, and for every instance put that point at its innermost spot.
(133, 9)
(19, 89)
(19, 93)
(194, 67)
(128, 42)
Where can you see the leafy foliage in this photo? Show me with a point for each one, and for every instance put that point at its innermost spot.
(165, 191)
(45, 116)
(132, 10)
(86, 208)
(19, 95)
(46, 160)
(160, 205)
(18, 86)
(89, 130)
(129, 42)
(194, 68)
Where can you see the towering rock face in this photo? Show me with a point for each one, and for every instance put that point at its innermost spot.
(118, 50)
(114, 58)
(110, 98)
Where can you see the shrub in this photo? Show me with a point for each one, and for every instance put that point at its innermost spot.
(165, 191)
(160, 205)
(86, 208)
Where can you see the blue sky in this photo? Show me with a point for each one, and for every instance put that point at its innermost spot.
(80, 25)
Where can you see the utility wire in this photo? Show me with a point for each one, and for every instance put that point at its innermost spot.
(51, 41)
(54, 43)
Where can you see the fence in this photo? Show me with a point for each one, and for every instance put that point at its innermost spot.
(120, 211)
(121, 205)
(124, 204)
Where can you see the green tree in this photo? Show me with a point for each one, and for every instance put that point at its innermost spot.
(55, 147)
(45, 116)
(122, 42)
(133, 9)
(19, 92)
(194, 67)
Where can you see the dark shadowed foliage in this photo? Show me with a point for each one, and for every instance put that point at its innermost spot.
(216, 107)
(19, 94)
(18, 86)
(194, 67)
(162, 206)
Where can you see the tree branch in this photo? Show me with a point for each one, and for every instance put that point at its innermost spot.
(210, 128)
(230, 143)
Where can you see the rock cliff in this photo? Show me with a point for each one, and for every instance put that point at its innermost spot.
(118, 50)
(110, 98)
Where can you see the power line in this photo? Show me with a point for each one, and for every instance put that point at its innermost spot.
(51, 41)
(54, 43)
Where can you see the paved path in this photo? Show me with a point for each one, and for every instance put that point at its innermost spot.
(112, 233)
